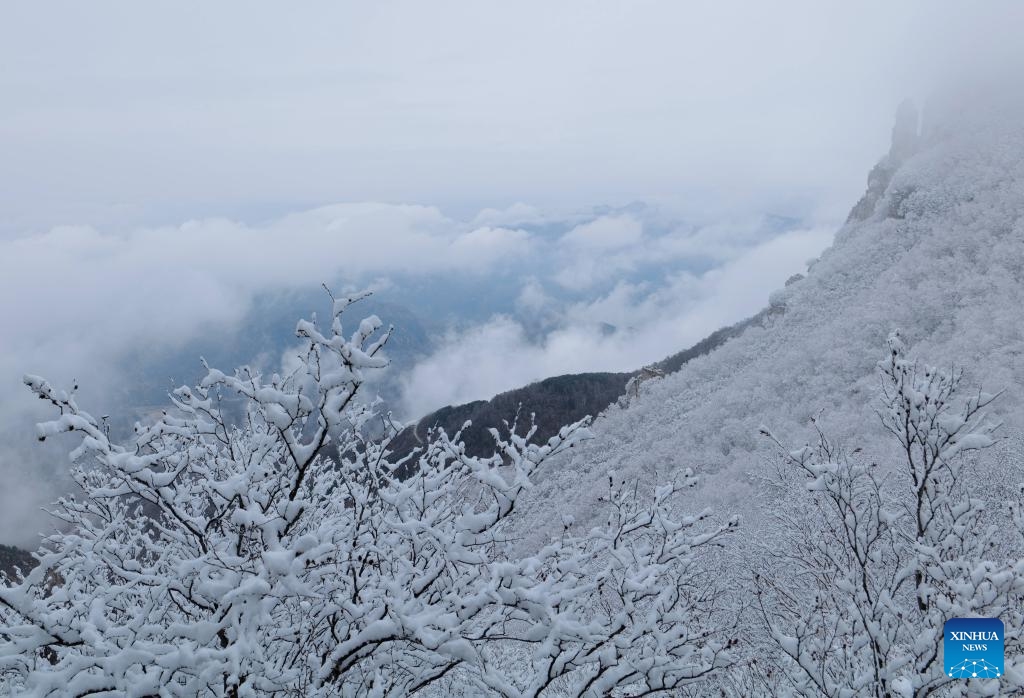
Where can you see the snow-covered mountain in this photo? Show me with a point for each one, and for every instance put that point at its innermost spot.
(935, 248)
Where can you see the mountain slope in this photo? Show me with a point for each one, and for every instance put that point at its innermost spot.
(14, 560)
(940, 255)
(554, 401)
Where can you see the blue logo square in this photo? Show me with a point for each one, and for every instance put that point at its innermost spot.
(973, 648)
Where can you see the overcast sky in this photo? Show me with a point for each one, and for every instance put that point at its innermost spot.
(162, 163)
(156, 112)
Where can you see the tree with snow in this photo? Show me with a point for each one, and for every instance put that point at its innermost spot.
(883, 557)
(285, 553)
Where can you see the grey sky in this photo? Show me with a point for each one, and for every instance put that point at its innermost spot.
(122, 113)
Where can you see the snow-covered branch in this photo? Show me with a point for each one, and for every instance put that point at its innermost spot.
(287, 554)
(878, 562)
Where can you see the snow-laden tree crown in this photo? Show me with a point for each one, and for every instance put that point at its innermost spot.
(289, 554)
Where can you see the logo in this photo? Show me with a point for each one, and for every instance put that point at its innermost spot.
(973, 648)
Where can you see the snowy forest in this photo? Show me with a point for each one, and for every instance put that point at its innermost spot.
(792, 497)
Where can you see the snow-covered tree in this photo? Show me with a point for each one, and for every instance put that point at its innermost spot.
(632, 392)
(284, 553)
(884, 556)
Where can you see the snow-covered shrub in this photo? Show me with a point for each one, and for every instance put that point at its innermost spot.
(870, 572)
(285, 554)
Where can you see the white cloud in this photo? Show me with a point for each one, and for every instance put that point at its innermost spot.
(532, 297)
(485, 246)
(605, 233)
(106, 293)
(75, 301)
(514, 215)
(653, 321)
(599, 250)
